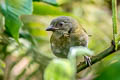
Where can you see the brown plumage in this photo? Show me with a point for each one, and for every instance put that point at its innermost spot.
(67, 33)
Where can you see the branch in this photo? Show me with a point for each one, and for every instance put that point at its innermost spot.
(114, 20)
(114, 17)
(96, 58)
(109, 50)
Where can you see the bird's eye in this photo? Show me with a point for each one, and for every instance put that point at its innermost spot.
(61, 23)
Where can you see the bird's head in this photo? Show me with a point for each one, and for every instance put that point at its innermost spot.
(62, 24)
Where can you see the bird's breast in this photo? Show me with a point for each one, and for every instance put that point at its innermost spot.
(60, 45)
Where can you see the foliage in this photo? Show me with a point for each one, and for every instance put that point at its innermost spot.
(12, 13)
(59, 69)
(24, 22)
(110, 72)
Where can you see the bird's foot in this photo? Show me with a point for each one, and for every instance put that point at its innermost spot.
(87, 60)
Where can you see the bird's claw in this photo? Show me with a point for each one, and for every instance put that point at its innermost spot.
(87, 60)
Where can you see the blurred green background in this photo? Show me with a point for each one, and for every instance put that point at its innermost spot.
(28, 61)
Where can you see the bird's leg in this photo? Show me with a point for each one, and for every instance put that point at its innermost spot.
(87, 60)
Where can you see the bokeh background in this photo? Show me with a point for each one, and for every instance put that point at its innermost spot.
(28, 61)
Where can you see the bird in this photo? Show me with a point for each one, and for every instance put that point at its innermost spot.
(67, 33)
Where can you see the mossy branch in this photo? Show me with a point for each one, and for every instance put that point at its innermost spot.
(109, 50)
(96, 58)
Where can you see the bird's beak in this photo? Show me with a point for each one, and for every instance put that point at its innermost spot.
(51, 28)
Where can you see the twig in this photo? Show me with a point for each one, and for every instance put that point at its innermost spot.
(114, 18)
(109, 50)
(97, 58)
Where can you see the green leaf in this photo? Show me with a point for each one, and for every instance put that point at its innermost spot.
(59, 69)
(62, 1)
(37, 0)
(53, 2)
(12, 26)
(111, 72)
(40, 8)
(12, 9)
(17, 7)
